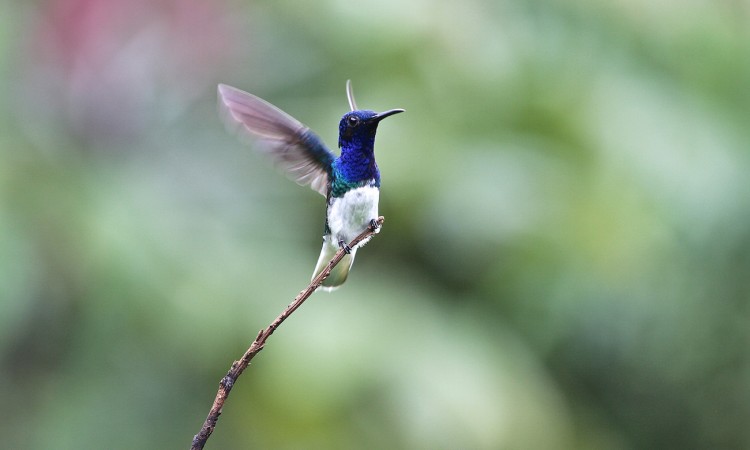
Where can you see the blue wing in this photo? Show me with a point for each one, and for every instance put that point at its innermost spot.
(289, 143)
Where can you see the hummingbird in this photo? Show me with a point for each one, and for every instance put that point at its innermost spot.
(350, 182)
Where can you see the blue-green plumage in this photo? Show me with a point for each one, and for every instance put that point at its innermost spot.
(350, 182)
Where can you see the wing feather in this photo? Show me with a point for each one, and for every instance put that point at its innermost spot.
(290, 144)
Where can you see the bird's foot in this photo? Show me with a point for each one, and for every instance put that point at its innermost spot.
(374, 226)
(346, 248)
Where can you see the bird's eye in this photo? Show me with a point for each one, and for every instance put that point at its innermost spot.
(353, 121)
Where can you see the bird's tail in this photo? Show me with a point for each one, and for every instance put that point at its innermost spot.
(339, 273)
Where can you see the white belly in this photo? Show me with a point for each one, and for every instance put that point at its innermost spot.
(349, 215)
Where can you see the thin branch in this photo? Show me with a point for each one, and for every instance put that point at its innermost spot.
(226, 383)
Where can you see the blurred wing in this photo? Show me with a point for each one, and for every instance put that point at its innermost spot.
(292, 146)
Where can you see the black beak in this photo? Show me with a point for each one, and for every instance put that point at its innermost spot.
(384, 114)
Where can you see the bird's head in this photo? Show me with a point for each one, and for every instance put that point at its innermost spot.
(359, 127)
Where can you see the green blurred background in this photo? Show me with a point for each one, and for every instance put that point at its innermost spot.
(565, 262)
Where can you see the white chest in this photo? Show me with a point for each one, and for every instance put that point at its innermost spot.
(349, 215)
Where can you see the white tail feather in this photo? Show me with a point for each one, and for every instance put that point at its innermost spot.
(339, 273)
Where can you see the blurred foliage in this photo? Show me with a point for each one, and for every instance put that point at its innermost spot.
(565, 261)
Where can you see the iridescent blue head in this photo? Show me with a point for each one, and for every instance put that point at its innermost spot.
(357, 128)
(357, 141)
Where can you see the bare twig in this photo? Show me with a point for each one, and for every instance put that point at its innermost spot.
(226, 383)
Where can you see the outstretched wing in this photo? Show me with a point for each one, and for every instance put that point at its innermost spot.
(292, 146)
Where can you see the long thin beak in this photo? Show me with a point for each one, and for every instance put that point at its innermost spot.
(390, 112)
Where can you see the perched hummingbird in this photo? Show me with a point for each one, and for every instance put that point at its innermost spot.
(350, 183)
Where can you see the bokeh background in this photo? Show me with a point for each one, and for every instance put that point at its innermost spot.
(565, 262)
